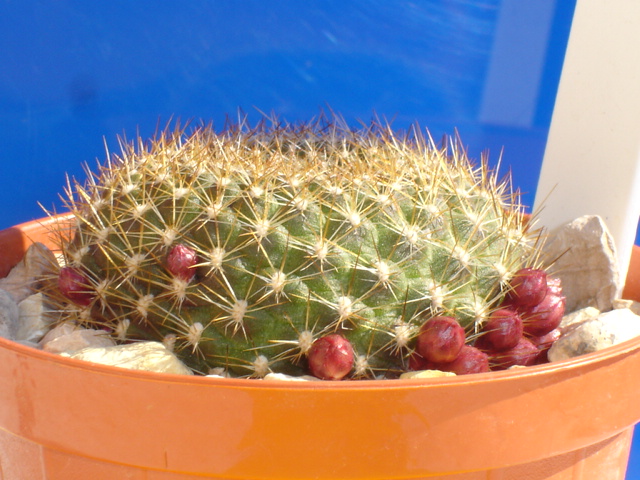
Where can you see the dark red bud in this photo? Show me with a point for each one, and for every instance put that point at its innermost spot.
(524, 353)
(75, 286)
(331, 357)
(470, 360)
(502, 331)
(527, 287)
(547, 315)
(440, 339)
(418, 362)
(181, 262)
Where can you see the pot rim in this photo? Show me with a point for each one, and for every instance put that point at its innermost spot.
(563, 366)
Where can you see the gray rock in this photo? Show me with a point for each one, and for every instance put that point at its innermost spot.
(24, 278)
(608, 329)
(34, 321)
(8, 315)
(586, 262)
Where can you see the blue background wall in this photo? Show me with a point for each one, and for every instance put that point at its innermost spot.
(76, 74)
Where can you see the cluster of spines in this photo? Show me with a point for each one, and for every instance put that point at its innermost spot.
(299, 232)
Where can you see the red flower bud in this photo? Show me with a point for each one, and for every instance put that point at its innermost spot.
(74, 285)
(502, 331)
(547, 315)
(181, 262)
(528, 288)
(440, 339)
(331, 357)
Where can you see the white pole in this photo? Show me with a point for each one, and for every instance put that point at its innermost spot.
(592, 159)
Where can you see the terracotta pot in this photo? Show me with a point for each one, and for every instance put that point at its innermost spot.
(62, 419)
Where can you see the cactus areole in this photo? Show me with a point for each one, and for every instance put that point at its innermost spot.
(241, 248)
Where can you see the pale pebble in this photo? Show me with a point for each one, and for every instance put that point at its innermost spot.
(8, 315)
(68, 338)
(215, 372)
(61, 329)
(147, 356)
(573, 319)
(608, 329)
(585, 260)
(426, 374)
(630, 304)
(290, 378)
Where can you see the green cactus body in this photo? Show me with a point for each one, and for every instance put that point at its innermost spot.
(299, 232)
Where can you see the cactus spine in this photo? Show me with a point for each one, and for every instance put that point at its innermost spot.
(239, 249)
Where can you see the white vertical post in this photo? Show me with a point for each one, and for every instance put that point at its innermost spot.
(592, 159)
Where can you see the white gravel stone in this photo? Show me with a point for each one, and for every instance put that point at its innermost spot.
(573, 319)
(608, 329)
(215, 372)
(630, 304)
(427, 374)
(8, 315)
(148, 356)
(586, 262)
(24, 278)
(290, 378)
(59, 330)
(68, 338)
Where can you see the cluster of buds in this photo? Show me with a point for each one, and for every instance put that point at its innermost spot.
(525, 326)
(519, 332)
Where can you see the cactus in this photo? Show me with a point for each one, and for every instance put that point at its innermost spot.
(239, 249)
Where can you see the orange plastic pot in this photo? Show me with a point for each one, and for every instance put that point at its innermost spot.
(62, 419)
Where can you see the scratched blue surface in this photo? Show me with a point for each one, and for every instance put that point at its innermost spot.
(74, 75)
